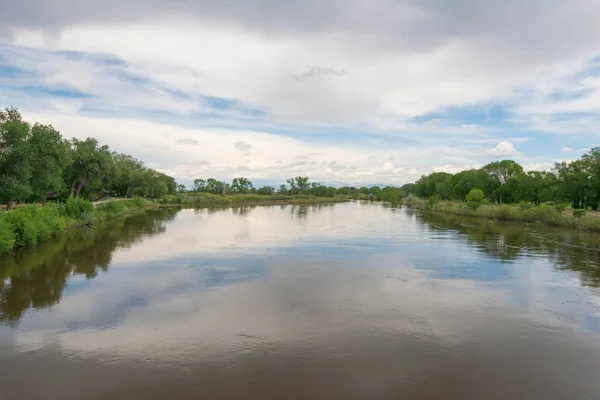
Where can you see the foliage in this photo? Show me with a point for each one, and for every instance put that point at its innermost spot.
(31, 224)
(37, 163)
(578, 212)
(475, 198)
(7, 236)
(433, 201)
(75, 208)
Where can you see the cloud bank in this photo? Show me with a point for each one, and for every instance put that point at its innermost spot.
(383, 90)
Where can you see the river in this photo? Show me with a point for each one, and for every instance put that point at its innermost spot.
(346, 301)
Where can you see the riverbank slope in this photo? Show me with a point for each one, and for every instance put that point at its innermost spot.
(31, 224)
(527, 213)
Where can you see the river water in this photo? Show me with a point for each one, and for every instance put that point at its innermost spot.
(345, 301)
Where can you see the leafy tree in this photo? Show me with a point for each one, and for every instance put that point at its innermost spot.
(266, 190)
(574, 180)
(241, 185)
(199, 185)
(214, 186)
(92, 165)
(15, 158)
(475, 198)
(500, 172)
(293, 187)
(50, 156)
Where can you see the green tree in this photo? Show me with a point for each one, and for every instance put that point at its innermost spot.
(241, 185)
(475, 198)
(302, 183)
(266, 190)
(92, 166)
(50, 155)
(573, 181)
(199, 185)
(500, 172)
(15, 158)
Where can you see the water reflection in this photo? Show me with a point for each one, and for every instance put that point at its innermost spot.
(347, 301)
(566, 249)
(36, 278)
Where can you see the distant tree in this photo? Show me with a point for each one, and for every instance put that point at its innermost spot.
(181, 188)
(475, 198)
(266, 190)
(199, 185)
(302, 183)
(293, 187)
(283, 189)
(241, 185)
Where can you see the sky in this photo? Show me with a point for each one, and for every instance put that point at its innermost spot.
(343, 91)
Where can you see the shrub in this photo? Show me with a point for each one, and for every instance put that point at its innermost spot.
(560, 207)
(433, 201)
(138, 202)
(7, 236)
(30, 224)
(504, 212)
(578, 213)
(475, 198)
(76, 207)
(543, 213)
(111, 207)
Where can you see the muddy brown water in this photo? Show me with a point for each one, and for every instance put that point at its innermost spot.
(345, 301)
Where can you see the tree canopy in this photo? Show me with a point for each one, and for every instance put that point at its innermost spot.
(576, 182)
(37, 162)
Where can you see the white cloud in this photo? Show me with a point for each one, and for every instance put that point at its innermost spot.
(503, 149)
(566, 150)
(371, 70)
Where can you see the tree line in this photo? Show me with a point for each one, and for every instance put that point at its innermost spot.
(576, 183)
(38, 163)
(299, 185)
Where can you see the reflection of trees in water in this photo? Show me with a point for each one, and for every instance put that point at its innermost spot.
(242, 210)
(301, 212)
(568, 249)
(36, 277)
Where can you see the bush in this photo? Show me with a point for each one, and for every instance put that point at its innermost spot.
(111, 207)
(543, 213)
(577, 213)
(30, 224)
(504, 212)
(138, 202)
(75, 208)
(560, 207)
(475, 198)
(433, 201)
(7, 236)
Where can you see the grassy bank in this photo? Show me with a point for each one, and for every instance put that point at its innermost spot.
(545, 214)
(207, 200)
(31, 224)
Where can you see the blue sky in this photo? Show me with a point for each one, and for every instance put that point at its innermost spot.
(380, 94)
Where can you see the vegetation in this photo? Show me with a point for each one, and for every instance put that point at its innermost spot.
(475, 198)
(546, 214)
(300, 185)
(37, 163)
(575, 183)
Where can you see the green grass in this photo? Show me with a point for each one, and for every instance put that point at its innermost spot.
(208, 200)
(31, 224)
(545, 214)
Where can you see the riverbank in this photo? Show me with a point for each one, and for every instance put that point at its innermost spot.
(31, 224)
(542, 214)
